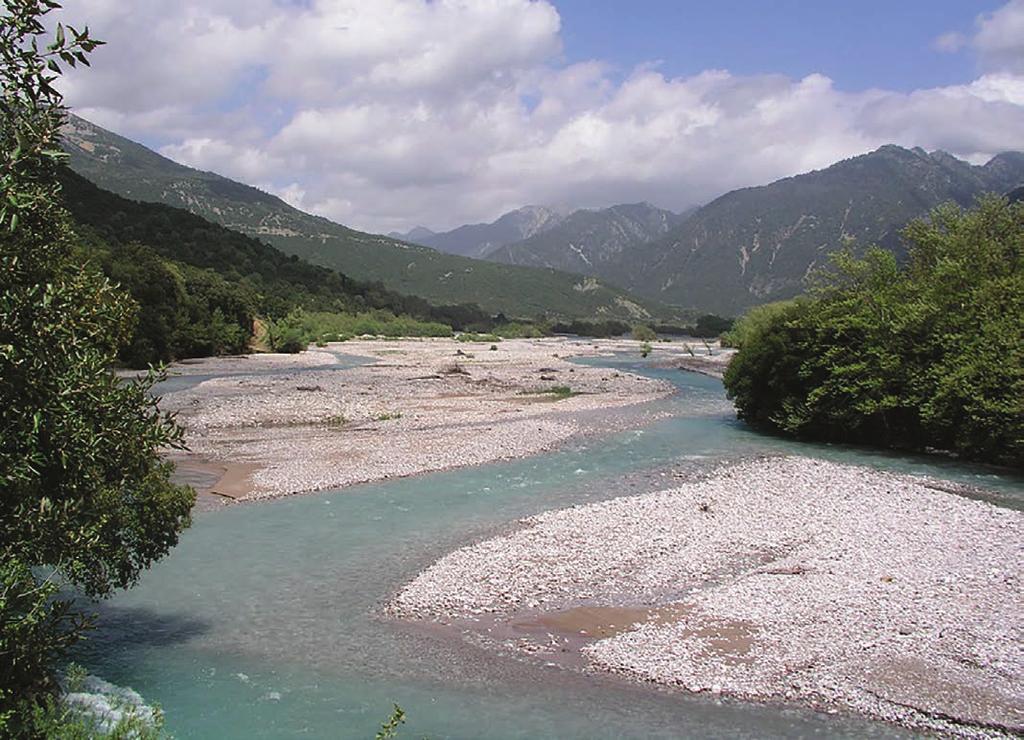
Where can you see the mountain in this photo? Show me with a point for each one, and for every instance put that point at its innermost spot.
(757, 245)
(200, 286)
(588, 240)
(133, 171)
(476, 240)
(413, 236)
(275, 282)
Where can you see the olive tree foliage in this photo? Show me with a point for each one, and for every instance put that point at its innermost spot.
(85, 502)
(926, 355)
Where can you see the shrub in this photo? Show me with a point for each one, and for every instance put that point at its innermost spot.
(557, 392)
(295, 331)
(86, 503)
(929, 355)
(644, 333)
(471, 337)
(596, 329)
(519, 330)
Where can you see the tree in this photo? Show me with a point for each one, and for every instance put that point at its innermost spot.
(644, 333)
(711, 325)
(929, 355)
(85, 501)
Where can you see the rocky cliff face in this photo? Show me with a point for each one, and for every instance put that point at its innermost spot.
(587, 241)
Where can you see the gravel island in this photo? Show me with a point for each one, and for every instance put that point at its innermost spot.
(415, 406)
(782, 579)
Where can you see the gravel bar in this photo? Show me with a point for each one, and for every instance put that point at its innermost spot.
(788, 579)
(416, 406)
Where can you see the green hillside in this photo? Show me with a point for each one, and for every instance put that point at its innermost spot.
(200, 285)
(135, 172)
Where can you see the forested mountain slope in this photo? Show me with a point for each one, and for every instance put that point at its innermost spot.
(133, 171)
(199, 285)
(758, 244)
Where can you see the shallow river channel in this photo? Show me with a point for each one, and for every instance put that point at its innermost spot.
(264, 622)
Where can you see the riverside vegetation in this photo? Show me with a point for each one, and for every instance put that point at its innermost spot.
(204, 290)
(200, 286)
(925, 356)
(85, 502)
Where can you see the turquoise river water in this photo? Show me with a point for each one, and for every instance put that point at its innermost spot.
(263, 622)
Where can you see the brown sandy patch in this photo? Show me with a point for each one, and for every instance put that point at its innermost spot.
(216, 483)
(236, 482)
(596, 622)
(728, 639)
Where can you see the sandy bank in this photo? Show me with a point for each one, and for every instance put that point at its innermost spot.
(696, 358)
(786, 579)
(416, 406)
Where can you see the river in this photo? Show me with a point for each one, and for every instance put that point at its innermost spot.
(263, 622)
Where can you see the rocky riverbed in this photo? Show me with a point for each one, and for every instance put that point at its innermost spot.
(784, 579)
(415, 406)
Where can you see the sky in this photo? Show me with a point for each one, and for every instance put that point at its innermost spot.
(388, 114)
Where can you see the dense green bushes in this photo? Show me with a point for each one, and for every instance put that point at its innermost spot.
(183, 311)
(707, 326)
(929, 355)
(299, 328)
(521, 330)
(86, 503)
(644, 333)
(596, 329)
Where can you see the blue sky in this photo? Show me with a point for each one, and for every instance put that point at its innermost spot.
(858, 43)
(387, 114)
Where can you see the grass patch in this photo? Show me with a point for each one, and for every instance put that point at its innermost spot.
(471, 337)
(388, 416)
(555, 393)
(299, 328)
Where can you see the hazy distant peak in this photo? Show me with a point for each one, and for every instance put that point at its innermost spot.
(530, 220)
(414, 235)
(587, 239)
(476, 240)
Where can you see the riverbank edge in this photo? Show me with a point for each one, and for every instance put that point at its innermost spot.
(911, 714)
(235, 482)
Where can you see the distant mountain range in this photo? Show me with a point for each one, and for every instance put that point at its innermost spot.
(747, 247)
(541, 236)
(133, 171)
(412, 236)
(758, 244)
(477, 240)
(588, 240)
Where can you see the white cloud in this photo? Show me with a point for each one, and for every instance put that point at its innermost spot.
(1000, 38)
(394, 113)
(950, 43)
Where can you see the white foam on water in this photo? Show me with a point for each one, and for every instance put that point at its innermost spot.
(108, 704)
